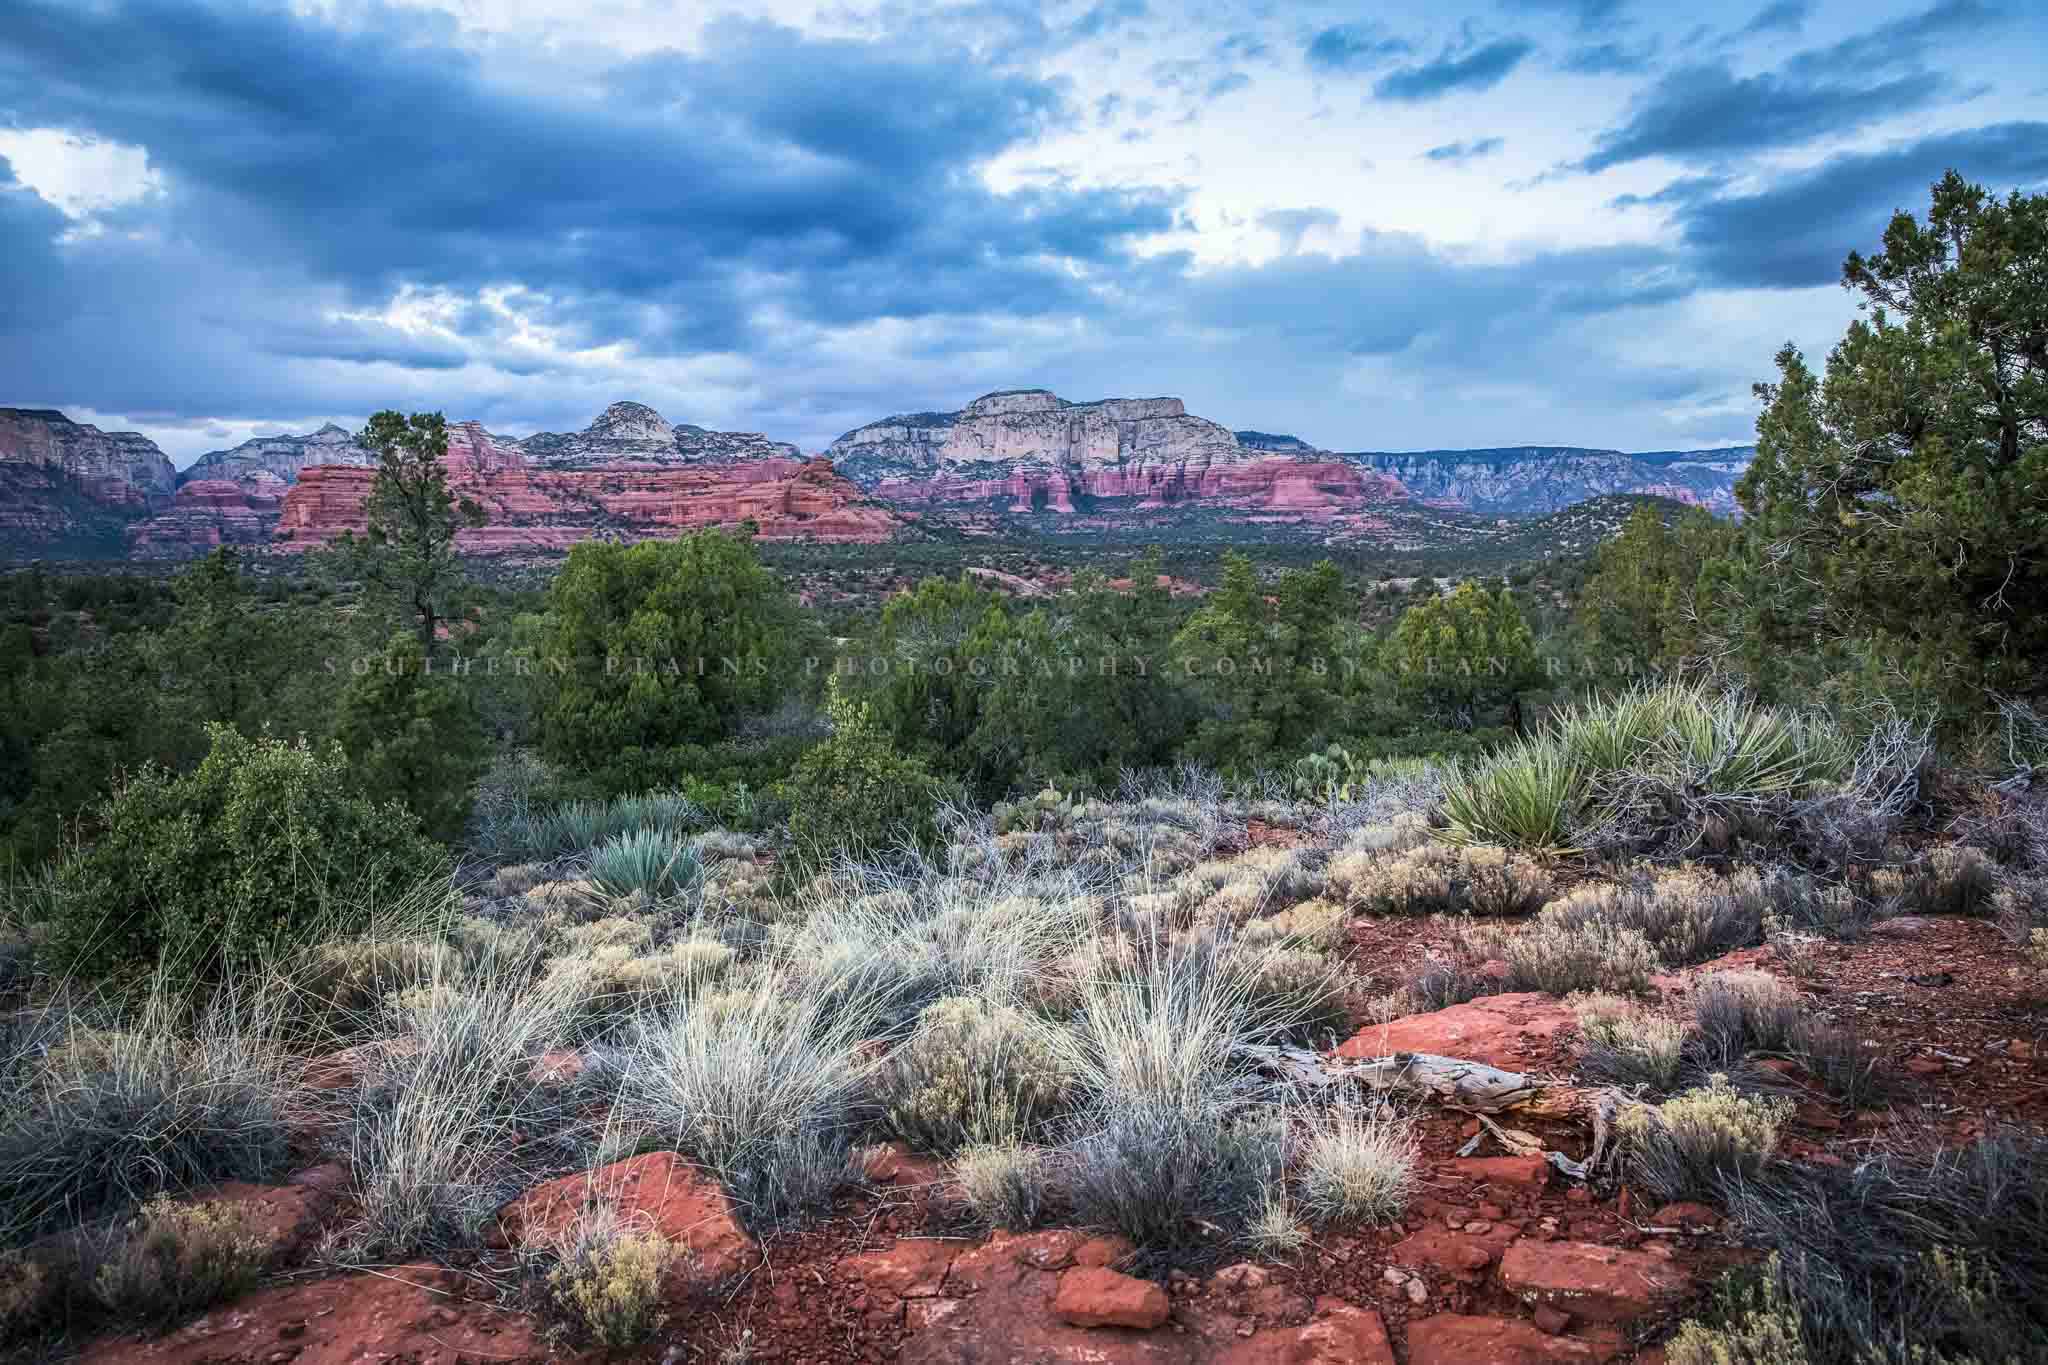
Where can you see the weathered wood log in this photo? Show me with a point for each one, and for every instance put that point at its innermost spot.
(1457, 1083)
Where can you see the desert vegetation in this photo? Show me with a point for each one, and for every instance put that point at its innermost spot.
(650, 962)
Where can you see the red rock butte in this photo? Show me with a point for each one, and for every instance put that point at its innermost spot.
(533, 508)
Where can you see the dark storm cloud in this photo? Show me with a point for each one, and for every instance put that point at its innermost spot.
(1704, 111)
(1465, 151)
(1355, 47)
(656, 204)
(1796, 232)
(1479, 68)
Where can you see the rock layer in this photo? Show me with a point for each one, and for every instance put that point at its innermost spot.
(69, 488)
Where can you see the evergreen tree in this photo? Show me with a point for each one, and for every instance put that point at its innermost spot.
(1905, 495)
(1460, 653)
(412, 736)
(408, 558)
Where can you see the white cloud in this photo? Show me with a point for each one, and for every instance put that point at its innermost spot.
(81, 175)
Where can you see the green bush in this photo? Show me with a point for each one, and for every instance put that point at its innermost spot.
(650, 860)
(413, 736)
(210, 871)
(855, 791)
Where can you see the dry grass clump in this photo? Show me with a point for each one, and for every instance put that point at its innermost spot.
(1276, 1230)
(1562, 958)
(609, 986)
(1356, 1166)
(574, 899)
(972, 1074)
(455, 1115)
(101, 1109)
(29, 1298)
(1008, 1184)
(759, 1083)
(1628, 1043)
(177, 1258)
(607, 1279)
(340, 988)
(1691, 1145)
(1315, 924)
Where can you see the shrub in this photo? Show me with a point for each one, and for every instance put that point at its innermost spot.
(1687, 916)
(1956, 880)
(1007, 1184)
(854, 791)
(1562, 958)
(1435, 879)
(1691, 1145)
(210, 871)
(413, 736)
(93, 1122)
(28, 1298)
(650, 860)
(1498, 882)
(608, 1279)
(1757, 1325)
(1628, 1044)
(609, 984)
(1357, 1167)
(177, 1258)
(1737, 1013)
(973, 1073)
(1303, 994)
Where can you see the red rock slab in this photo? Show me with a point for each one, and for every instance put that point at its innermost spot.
(1340, 1335)
(1524, 1173)
(1456, 1339)
(659, 1191)
(1508, 1031)
(417, 1314)
(1463, 1255)
(914, 1268)
(1593, 1283)
(1096, 1296)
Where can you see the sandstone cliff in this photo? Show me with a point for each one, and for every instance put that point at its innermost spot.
(1030, 451)
(70, 489)
(535, 506)
(277, 458)
(637, 434)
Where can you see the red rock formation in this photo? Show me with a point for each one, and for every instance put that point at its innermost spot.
(531, 509)
(210, 512)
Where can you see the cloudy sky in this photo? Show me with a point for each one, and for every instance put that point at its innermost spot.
(1418, 223)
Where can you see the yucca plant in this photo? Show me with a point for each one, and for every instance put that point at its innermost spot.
(657, 861)
(1527, 796)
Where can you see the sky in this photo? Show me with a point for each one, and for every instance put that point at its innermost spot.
(1388, 226)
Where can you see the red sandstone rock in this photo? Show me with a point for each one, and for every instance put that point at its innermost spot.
(1685, 1214)
(418, 1314)
(1096, 1296)
(659, 1191)
(1463, 1255)
(1340, 1335)
(1509, 1031)
(1521, 1172)
(912, 1269)
(1592, 1283)
(1100, 1251)
(1455, 1339)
